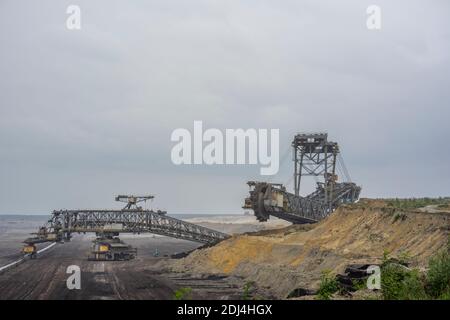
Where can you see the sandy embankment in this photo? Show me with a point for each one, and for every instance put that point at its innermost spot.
(292, 257)
(236, 224)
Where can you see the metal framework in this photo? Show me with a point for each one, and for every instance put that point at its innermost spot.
(314, 156)
(132, 201)
(135, 220)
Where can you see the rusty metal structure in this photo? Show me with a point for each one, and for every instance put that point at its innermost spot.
(315, 156)
(108, 224)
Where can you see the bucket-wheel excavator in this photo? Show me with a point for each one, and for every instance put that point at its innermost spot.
(315, 156)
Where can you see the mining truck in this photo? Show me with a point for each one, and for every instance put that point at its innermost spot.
(111, 250)
(30, 249)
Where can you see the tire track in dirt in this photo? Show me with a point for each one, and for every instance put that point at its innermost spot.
(142, 278)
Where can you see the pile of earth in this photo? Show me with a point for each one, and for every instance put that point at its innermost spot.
(236, 224)
(280, 261)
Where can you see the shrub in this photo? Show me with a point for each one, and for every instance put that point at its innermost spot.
(445, 295)
(400, 283)
(392, 276)
(399, 216)
(183, 294)
(438, 275)
(328, 286)
(359, 284)
(412, 287)
(248, 288)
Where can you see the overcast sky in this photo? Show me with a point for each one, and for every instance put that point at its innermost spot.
(87, 114)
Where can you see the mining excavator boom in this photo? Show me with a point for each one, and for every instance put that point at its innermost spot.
(314, 156)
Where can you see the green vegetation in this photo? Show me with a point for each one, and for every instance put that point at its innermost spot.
(183, 294)
(248, 289)
(328, 286)
(401, 283)
(438, 276)
(404, 258)
(398, 281)
(399, 216)
(415, 203)
(359, 284)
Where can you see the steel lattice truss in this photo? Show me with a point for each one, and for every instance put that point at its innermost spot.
(314, 156)
(272, 199)
(65, 222)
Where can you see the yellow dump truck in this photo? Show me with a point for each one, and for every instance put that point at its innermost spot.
(30, 249)
(110, 250)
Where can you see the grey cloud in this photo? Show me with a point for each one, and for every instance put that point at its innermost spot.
(87, 114)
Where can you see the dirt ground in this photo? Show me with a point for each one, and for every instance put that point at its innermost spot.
(142, 278)
(146, 277)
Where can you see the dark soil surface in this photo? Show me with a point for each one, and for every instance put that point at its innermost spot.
(141, 278)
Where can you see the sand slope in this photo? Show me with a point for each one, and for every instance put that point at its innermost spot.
(284, 259)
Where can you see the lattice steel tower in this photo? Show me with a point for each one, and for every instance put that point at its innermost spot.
(315, 156)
